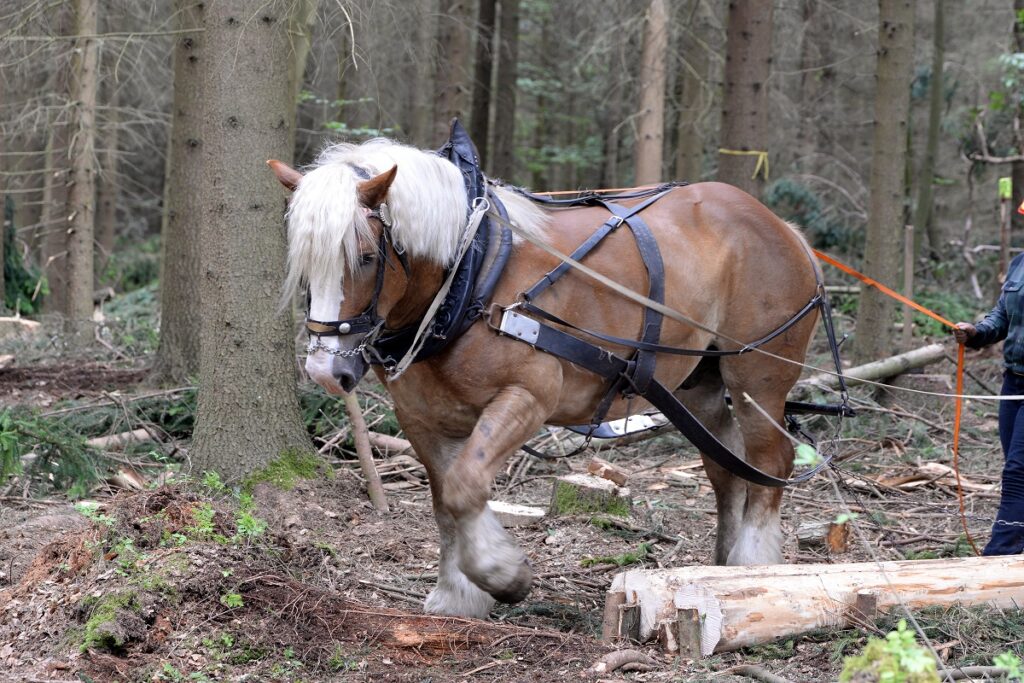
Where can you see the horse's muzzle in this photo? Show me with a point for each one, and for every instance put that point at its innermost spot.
(348, 371)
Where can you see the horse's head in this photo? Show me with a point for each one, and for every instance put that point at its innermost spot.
(354, 273)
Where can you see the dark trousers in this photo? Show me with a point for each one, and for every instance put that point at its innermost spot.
(1008, 529)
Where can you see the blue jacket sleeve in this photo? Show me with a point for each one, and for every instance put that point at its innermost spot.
(993, 327)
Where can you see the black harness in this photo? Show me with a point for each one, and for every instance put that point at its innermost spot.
(633, 376)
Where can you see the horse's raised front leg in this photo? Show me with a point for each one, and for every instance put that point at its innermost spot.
(486, 553)
(454, 593)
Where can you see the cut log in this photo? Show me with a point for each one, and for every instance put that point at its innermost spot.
(606, 470)
(510, 514)
(113, 442)
(17, 327)
(827, 536)
(743, 606)
(880, 369)
(576, 494)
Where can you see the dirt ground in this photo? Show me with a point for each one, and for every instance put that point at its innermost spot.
(178, 583)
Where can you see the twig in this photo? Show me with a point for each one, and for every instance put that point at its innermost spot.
(986, 672)
(758, 673)
(360, 433)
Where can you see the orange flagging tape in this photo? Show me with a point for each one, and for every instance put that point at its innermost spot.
(904, 300)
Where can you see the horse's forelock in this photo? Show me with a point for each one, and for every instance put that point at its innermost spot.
(324, 224)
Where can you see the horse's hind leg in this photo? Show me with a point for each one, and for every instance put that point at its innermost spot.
(767, 447)
(703, 394)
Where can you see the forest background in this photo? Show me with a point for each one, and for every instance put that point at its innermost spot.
(134, 135)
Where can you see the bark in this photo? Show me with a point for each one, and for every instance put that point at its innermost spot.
(924, 217)
(248, 412)
(694, 96)
(177, 357)
(482, 70)
(82, 193)
(651, 122)
(107, 186)
(451, 81)
(748, 61)
(1017, 171)
(887, 190)
(503, 150)
(744, 606)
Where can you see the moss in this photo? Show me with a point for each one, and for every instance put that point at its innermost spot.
(568, 501)
(287, 470)
(101, 631)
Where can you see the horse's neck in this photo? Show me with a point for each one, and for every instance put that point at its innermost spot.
(425, 278)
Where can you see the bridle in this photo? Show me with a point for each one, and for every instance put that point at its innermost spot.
(369, 322)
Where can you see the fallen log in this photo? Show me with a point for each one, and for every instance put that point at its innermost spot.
(389, 445)
(742, 606)
(113, 442)
(880, 369)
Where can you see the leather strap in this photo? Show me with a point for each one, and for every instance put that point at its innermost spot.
(611, 367)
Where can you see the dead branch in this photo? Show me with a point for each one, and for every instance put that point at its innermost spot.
(621, 659)
(360, 433)
(758, 673)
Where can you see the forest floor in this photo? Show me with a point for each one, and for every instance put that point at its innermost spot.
(165, 578)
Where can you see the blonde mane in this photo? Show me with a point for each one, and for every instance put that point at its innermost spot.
(427, 202)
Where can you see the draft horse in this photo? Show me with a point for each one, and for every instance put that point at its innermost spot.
(374, 231)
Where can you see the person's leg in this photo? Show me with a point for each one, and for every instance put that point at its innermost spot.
(1008, 529)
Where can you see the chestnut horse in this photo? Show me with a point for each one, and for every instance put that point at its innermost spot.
(730, 264)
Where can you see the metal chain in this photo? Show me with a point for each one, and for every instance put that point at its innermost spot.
(1006, 522)
(317, 344)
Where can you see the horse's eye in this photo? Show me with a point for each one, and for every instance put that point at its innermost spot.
(367, 258)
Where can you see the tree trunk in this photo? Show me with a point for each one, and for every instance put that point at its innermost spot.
(742, 159)
(650, 142)
(51, 235)
(885, 218)
(177, 357)
(107, 185)
(300, 28)
(1017, 171)
(504, 149)
(694, 97)
(82, 193)
(248, 413)
(422, 89)
(924, 216)
(451, 82)
(480, 118)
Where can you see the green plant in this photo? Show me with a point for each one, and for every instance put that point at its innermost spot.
(895, 659)
(625, 559)
(232, 600)
(90, 510)
(1011, 663)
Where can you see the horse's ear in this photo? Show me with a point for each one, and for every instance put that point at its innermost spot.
(288, 176)
(375, 190)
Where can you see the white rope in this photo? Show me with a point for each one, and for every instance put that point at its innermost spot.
(480, 207)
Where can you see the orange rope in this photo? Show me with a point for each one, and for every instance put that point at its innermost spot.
(958, 415)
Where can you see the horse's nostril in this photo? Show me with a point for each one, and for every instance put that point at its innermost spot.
(347, 380)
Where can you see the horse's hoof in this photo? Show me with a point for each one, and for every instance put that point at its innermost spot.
(517, 589)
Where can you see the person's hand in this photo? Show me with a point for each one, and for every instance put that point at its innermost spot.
(964, 331)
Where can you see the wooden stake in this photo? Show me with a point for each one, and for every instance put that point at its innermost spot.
(908, 285)
(360, 434)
